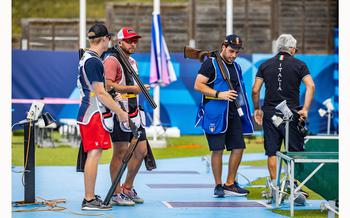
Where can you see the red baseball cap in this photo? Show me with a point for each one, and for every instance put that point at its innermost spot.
(127, 33)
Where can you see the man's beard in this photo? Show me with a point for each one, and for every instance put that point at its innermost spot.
(129, 51)
(229, 60)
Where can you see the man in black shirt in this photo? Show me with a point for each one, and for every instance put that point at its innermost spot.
(282, 76)
(219, 117)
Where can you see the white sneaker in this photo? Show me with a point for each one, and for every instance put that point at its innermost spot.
(121, 200)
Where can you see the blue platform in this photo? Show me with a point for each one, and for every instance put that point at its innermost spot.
(179, 187)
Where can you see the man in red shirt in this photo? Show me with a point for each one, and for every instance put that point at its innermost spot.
(118, 78)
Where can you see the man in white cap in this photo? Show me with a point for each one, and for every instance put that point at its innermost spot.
(118, 78)
(282, 75)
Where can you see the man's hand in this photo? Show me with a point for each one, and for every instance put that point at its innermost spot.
(258, 116)
(303, 114)
(122, 116)
(138, 90)
(229, 95)
(148, 87)
(118, 97)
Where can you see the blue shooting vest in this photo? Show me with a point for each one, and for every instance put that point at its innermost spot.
(212, 113)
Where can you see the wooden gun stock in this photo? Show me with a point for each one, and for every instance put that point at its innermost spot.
(193, 53)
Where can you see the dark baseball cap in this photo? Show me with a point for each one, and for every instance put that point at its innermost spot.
(98, 30)
(234, 41)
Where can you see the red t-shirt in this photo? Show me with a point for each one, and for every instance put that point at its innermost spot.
(113, 69)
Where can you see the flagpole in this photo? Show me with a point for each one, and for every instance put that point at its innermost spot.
(162, 73)
(156, 111)
(156, 89)
(156, 6)
(82, 24)
(229, 17)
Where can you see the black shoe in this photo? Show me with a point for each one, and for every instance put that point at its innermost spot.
(234, 189)
(219, 191)
(95, 204)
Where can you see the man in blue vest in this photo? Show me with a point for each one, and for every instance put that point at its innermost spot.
(218, 115)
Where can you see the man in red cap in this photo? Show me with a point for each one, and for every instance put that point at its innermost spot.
(118, 78)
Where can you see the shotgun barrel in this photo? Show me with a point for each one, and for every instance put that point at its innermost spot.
(125, 62)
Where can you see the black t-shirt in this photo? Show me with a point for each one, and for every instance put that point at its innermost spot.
(207, 70)
(282, 76)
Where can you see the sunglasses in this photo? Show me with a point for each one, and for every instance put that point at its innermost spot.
(130, 41)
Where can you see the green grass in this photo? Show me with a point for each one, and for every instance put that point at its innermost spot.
(255, 194)
(256, 163)
(185, 146)
(59, 9)
(304, 213)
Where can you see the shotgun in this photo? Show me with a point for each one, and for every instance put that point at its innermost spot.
(126, 158)
(194, 53)
(131, 148)
(126, 64)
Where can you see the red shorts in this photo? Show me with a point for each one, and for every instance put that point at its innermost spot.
(93, 135)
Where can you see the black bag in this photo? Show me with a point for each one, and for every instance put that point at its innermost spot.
(150, 162)
(81, 158)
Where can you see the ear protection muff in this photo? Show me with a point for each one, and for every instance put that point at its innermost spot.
(301, 126)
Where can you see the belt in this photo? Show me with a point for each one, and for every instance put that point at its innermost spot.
(124, 96)
(127, 95)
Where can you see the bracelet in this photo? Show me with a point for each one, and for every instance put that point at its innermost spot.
(217, 94)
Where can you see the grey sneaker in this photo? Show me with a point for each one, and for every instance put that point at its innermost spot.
(219, 191)
(132, 195)
(95, 204)
(121, 200)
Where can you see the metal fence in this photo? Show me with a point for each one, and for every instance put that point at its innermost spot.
(259, 22)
